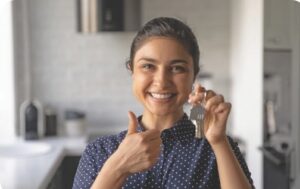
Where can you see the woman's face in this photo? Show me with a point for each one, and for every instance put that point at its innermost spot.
(162, 76)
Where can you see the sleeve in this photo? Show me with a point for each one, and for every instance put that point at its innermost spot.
(240, 158)
(91, 161)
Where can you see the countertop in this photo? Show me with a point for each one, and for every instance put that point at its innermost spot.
(35, 172)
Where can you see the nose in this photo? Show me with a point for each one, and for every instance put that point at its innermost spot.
(162, 78)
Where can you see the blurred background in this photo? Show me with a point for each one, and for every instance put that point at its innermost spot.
(63, 62)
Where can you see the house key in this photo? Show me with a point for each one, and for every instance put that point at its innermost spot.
(197, 117)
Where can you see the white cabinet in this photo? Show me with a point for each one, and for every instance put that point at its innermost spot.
(277, 24)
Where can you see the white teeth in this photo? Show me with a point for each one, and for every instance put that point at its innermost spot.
(161, 96)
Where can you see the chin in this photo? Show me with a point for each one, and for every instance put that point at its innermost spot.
(164, 112)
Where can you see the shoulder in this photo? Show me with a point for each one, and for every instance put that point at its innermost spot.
(105, 144)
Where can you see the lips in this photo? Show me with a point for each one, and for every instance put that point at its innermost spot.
(161, 96)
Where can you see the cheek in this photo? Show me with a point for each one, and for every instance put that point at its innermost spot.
(185, 86)
(138, 79)
(139, 82)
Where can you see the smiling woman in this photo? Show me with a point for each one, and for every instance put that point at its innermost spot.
(7, 94)
(159, 149)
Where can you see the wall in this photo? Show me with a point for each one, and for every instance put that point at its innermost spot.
(295, 92)
(71, 70)
(7, 94)
(247, 79)
(87, 72)
(209, 19)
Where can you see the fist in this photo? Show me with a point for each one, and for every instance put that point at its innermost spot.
(138, 151)
(216, 113)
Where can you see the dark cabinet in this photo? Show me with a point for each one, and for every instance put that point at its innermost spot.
(108, 15)
(63, 178)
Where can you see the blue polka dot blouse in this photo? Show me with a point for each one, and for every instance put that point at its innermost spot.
(184, 161)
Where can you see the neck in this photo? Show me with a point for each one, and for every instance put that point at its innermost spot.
(160, 122)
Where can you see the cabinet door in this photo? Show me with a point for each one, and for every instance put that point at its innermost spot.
(64, 175)
(57, 180)
(70, 164)
(277, 24)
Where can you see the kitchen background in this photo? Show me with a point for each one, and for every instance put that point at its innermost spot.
(246, 49)
(87, 71)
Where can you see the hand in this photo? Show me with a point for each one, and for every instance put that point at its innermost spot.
(216, 113)
(138, 151)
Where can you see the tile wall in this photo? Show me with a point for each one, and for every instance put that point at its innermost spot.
(87, 72)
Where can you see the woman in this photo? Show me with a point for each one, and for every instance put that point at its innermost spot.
(159, 149)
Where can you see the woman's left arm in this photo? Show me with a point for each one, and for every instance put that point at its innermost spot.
(230, 171)
(217, 110)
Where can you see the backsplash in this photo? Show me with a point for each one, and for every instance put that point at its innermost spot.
(87, 72)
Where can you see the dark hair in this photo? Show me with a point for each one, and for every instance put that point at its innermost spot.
(167, 27)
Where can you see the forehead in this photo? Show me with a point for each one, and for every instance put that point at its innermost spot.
(162, 48)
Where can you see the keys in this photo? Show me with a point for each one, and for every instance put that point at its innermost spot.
(197, 117)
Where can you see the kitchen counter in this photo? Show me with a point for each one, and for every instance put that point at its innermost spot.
(35, 172)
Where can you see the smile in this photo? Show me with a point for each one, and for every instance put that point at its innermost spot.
(162, 96)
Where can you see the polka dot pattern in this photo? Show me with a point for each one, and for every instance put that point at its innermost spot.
(184, 161)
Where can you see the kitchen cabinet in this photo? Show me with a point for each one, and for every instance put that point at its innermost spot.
(277, 24)
(108, 15)
(65, 173)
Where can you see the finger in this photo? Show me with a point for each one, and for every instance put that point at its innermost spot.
(223, 107)
(152, 134)
(213, 102)
(209, 94)
(155, 147)
(133, 123)
(196, 98)
(199, 89)
(155, 142)
(197, 95)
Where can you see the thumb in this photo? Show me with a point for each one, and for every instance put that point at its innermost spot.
(133, 123)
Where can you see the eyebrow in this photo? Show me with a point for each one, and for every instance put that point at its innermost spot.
(175, 61)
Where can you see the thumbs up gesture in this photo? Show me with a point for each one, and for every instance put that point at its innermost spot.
(138, 151)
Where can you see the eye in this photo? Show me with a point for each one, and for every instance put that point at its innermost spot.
(147, 66)
(178, 69)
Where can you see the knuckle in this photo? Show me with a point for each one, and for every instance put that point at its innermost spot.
(146, 149)
(140, 139)
(159, 141)
(148, 164)
(221, 97)
(156, 132)
(148, 155)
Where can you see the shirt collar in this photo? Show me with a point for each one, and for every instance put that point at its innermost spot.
(182, 130)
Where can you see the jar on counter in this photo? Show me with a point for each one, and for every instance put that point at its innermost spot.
(50, 122)
(75, 123)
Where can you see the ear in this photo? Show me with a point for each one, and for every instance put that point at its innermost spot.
(129, 65)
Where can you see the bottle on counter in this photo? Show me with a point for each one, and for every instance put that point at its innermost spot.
(31, 120)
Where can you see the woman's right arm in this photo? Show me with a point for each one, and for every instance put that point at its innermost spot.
(137, 152)
(111, 175)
